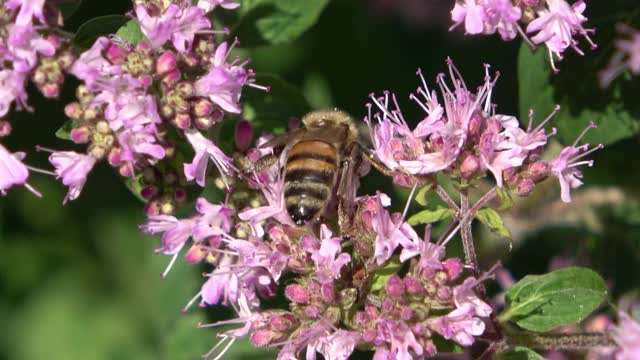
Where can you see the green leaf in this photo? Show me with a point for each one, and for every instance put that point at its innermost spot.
(135, 185)
(68, 7)
(271, 111)
(430, 216)
(493, 221)
(100, 26)
(130, 32)
(506, 202)
(64, 132)
(276, 21)
(421, 196)
(545, 302)
(520, 353)
(581, 99)
(382, 275)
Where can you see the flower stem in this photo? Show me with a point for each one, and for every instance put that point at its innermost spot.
(470, 257)
(447, 199)
(575, 341)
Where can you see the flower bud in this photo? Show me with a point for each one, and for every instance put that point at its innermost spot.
(531, 3)
(538, 171)
(203, 123)
(90, 114)
(103, 127)
(195, 254)
(54, 40)
(369, 335)
(395, 286)
(97, 151)
(80, 135)
(116, 54)
(169, 150)
(406, 314)
(297, 293)
(39, 77)
(387, 305)
(73, 110)
(185, 89)
(430, 288)
(50, 90)
(168, 207)
(441, 277)
(66, 60)
(348, 297)
(412, 285)
(328, 294)
(453, 267)
(152, 208)
(166, 62)
(125, 170)
(312, 311)
(149, 192)
(525, 187)
(282, 323)
(171, 78)
(203, 107)
(180, 196)
(243, 135)
(182, 121)
(444, 293)
(262, 337)
(475, 123)
(5, 128)
(83, 94)
(470, 166)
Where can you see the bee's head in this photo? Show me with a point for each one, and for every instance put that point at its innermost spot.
(326, 119)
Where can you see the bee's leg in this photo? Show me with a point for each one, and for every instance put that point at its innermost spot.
(377, 164)
(349, 182)
(265, 162)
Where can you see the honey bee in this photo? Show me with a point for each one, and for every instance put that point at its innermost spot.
(323, 163)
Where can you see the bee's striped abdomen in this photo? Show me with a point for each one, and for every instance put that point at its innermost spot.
(309, 179)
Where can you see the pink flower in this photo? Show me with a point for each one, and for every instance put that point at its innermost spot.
(430, 254)
(564, 167)
(402, 340)
(13, 171)
(175, 232)
(626, 56)
(464, 295)
(24, 44)
(257, 255)
(157, 29)
(208, 5)
(132, 111)
(12, 88)
(336, 346)
(327, 255)
(28, 9)
(140, 141)
(190, 21)
(214, 220)
(627, 336)
(224, 81)
(460, 325)
(205, 149)
(223, 285)
(390, 231)
(556, 26)
(73, 168)
(91, 66)
(487, 17)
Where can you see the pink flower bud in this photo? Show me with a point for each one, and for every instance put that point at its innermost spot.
(412, 285)
(296, 293)
(54, 40)
(453, 267)
(262, 337)
(180, 196)
(195, 254)
(282, 323)
(149, 192)
(395, 286)
(166, 62)
(328, 294)
(441, 277)
(73, 110)
(369, 335)
(203, 107)
(80, 135)
(182, 121)
(169, 150)
(312, 311)
(203, 123)
(538, 171)
(243, 135)
(475, 124)
(5, 128)
(50, 90)
(470, 166)
(146, 80)
(171, 78)
(444, 292)
(431, 289)
(525, 187)
(152, 208)
(531, 3)
(185, 89)
(116, 54)
(66, 60)
(125, 170)
(406, 314)
(387, 305)
(115, 156)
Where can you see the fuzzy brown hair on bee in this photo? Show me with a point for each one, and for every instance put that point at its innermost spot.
(322, 161)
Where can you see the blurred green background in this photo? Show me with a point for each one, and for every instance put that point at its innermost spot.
(80, 282)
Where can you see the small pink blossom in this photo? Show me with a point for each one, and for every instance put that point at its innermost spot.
(627, 336)
(24, 44)
(336, 346)
(12, 171)
(464, 294)
(28, 9)
(223, 285)
(326, 255)
(224, 81)
(401, 339)
(138, 142)
(626, 56)
(214, 220)
(157, 29)
(190, 21)
(209, 5)
(12, 88)
(91, 66)
(557, 24)
(460, 325)
(73, 168)
(487, 17)
(175, 232)
(205, 149)
(132, 111)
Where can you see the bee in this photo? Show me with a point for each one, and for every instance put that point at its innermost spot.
(323, 160)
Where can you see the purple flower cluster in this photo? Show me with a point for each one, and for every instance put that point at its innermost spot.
(29, 50)
(626, 55)
(554, 23)
(462, 136)
(132, 96)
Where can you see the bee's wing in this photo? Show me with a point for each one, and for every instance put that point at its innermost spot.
(348, 183)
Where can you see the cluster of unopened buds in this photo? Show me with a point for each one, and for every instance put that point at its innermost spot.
(554, 23)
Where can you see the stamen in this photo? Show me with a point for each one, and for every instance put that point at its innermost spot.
(556, 108)
(33, 190)
(193, 299)
(42, 148)
(406, 206)
(414, 98)
(226, 348)
(591, 125)
(451, 235)
(173, 261)
(587, 152)
(46, 172)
